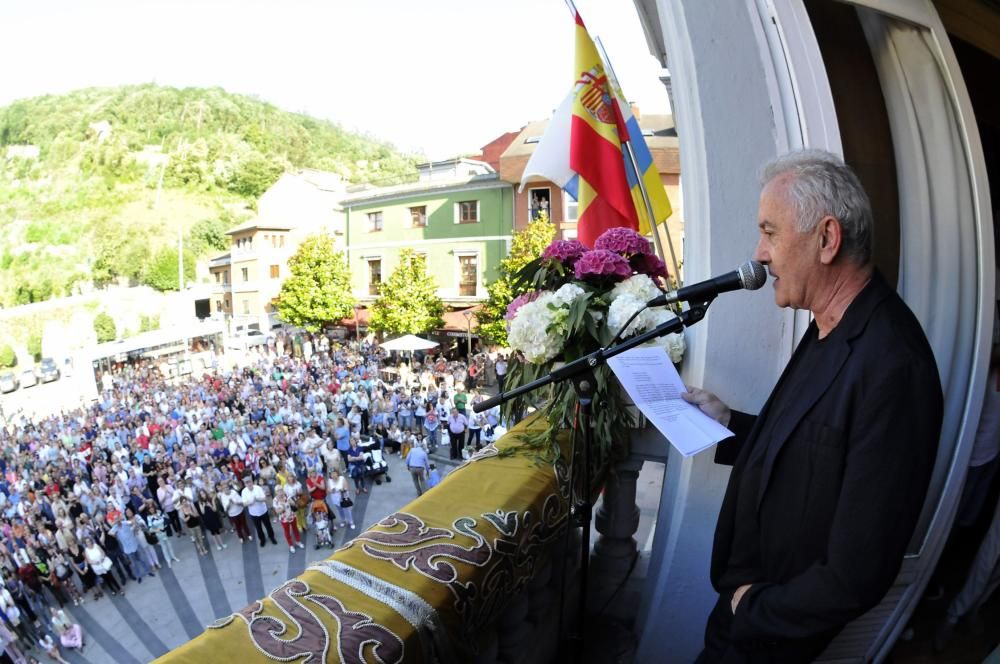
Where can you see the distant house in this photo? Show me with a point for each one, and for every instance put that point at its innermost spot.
(458, 214)
(247, 279)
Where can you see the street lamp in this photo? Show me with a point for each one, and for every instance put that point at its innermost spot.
(468, 333)
(357, 322)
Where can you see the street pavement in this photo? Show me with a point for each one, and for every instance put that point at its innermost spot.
(175, 606)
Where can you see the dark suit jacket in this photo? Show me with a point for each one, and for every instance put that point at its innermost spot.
(843, 481)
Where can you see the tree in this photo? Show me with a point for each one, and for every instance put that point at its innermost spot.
(318, 288)
(408, 301)
(8, 358)
(254, 176)
(104, 326)
(162, 273)
(527, 245)
(35, 345)
(208, 235)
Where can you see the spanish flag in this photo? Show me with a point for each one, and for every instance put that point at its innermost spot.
(582, 151)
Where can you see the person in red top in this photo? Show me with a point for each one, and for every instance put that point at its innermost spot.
(237, 466)
(316, 486)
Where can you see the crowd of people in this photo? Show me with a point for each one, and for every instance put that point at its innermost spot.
(93, 499)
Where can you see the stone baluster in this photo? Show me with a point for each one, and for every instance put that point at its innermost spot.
(617, 520)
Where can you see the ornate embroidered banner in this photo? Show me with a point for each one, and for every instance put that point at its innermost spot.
(419, 585)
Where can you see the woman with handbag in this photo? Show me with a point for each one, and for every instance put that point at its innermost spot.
(82, 568)
(207, 503)
(298, 499)
(338, 494)
(101, 565)
(62, 570)
(192, 519)
(286, 516)
(146, 539)
(157, 526)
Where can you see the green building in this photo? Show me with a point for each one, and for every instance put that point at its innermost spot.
(458, 215)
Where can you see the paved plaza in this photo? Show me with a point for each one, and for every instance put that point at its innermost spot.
(162, 613)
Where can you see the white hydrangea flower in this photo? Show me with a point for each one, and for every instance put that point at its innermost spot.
(638, 285)
(674, 344)
(621, 309)
(528, 331)
(567, 294)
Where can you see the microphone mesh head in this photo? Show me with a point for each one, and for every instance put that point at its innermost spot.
(752, 275)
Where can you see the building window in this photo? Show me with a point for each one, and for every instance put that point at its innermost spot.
(281, 242)
(246, 274)
(468, 212)
(275, 271)
(225, 278)
(538, 203)
(246, 306)
(374, 221)
(467, 275)
(418, 216)
(374, 275)
(218, 277)
(572, 209)
(218, 306)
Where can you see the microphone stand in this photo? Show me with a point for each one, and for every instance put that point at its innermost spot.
(580, 372)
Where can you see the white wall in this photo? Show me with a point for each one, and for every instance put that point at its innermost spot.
(725, 110)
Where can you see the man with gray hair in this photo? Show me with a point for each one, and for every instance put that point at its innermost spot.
(829, 479)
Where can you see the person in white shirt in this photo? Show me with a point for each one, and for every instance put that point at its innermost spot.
(232, 502)
(255, 500)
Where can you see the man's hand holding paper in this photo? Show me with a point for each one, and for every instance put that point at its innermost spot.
(649, 377)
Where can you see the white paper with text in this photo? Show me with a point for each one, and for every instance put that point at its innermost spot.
(650, 378)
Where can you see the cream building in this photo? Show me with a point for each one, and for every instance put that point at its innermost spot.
(247, 279)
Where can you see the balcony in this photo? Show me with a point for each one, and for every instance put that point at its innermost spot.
(471, 571)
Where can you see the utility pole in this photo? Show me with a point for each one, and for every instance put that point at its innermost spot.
(468, 334)
(180, 260)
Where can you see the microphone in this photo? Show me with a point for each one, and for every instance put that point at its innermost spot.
(749, 276)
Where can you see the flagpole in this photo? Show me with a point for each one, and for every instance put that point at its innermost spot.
(627, 144)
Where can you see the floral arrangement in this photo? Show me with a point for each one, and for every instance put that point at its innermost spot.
(579, 301)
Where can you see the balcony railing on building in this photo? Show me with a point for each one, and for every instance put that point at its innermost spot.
(475, 570)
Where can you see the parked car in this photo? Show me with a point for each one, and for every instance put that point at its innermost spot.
(8, 382)
(28, 378)
(48, 371)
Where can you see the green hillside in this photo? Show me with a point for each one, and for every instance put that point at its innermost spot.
(112, 175)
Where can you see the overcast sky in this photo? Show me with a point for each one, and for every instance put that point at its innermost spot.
(438, 76)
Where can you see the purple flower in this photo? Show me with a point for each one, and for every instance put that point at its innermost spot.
(623, 241)
(566, 252)
(649, 265)
(602, 263)
(519, 302)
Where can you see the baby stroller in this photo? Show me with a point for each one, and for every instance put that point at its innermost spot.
(321, 522)
(376, 466)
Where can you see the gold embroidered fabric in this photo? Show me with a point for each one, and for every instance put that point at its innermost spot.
(419, 585)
